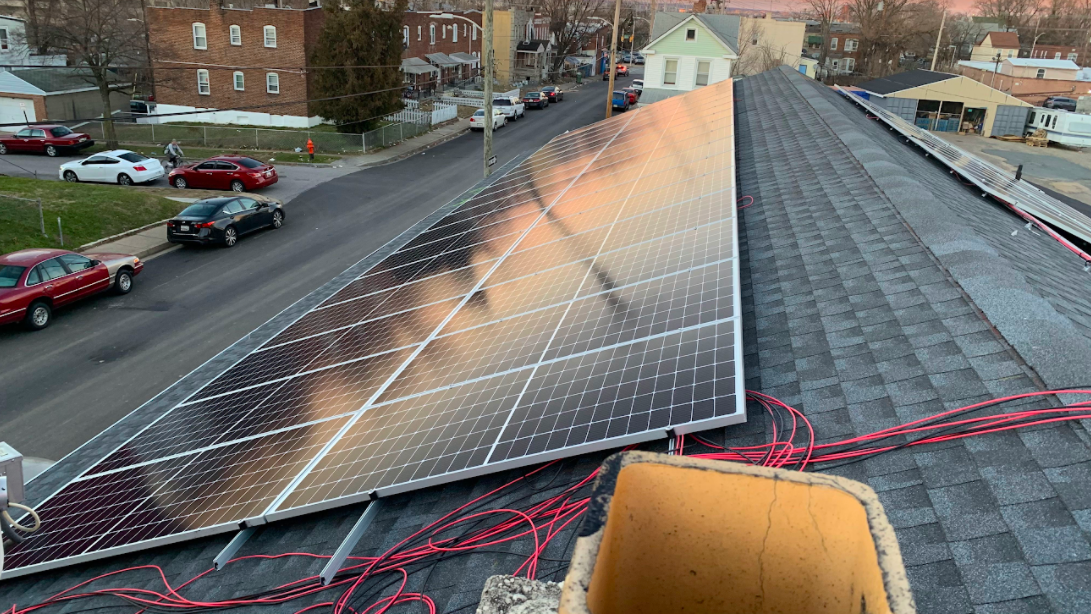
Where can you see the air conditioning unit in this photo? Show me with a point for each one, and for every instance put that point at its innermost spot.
(11, 467)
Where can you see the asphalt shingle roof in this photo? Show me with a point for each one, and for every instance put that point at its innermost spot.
(904, 81)
(857, 311)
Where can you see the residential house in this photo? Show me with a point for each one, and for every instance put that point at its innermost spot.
(760, 42)
(14, 47)
(279, 34)
(54, 94)
(1059, 52)
(1028, 79)
(692, 52)
(449, 41)
(509, 29)
(534, 55)
(1004, 43)
(843, 55)
(947, 103)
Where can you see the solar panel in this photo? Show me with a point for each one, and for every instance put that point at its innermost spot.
(588, 299)
(994, 181)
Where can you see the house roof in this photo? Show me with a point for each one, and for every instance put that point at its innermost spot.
(60, 79)
(1042, 63)
(417, 66)
(903, 81)
(464, 57)
(987, 66)
(442, 59)
(533, 46)
(877, 289)
(1003, 40)
(725, 27)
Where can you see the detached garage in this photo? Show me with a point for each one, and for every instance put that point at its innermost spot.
(943, 102)
(51, 94)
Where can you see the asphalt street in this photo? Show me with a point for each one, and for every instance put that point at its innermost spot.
(103, 358)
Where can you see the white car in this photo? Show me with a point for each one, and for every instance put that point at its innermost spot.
(512, 108)
(119, 166)
(477, 120)
(638, 85)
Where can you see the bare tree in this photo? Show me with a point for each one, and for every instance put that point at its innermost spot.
(756, 53)
(573, 23)
(888, 28)
(99, 36)
(963, 33)
(40, 16)
(824, 11)
(1011, 14)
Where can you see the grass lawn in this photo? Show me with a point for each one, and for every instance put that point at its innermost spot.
(87, 212)
(194, 154)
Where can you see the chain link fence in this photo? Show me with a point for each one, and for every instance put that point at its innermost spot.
(25, 216)
(237, 138)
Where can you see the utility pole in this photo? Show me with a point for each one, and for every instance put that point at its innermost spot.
(488, 59)
(613, 59)
(1035, 43)
(996, 69)
(939, 37)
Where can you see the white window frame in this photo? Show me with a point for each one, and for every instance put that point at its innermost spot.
(202, 80)
(238, 80)
(666, 64)
(694, 31)
(697, 73)
(4, 39)
(833, 44)
(431, 34)
(1041, 74)
(405, 35)
(235, 35)
(265, 32)
(454, 33)
(420, 36)
(849, 65)
(444, 33)
(203, 37)
(474, 35)
(272, 80)
(852, 44)
(1071, 56)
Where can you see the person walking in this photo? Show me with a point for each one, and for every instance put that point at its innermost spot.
(310, 148)
(174, 153)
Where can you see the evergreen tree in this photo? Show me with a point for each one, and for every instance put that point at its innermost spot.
(359, 33)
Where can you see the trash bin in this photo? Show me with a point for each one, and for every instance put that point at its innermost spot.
(579, 78)
(677, 535)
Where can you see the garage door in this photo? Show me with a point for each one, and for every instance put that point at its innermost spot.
(11, 111)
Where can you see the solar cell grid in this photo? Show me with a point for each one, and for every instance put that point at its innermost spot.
(587, 299)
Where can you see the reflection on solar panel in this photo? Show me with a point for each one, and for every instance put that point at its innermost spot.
(587, 300)
(992, 180)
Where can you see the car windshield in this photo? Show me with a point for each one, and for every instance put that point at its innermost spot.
(249, 162)
(479, 113)
(534, 94)
(61, 131)
(133, 157)
(9, 275)
(201, 209)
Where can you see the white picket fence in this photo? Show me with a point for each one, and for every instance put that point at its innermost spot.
(412, 114)
(475, 98)
(443, 112)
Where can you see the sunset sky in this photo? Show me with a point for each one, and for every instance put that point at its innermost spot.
(959, 6)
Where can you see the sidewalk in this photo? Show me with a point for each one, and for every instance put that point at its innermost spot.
(152, 239)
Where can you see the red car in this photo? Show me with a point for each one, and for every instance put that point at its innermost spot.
(34, 282)
(50, 140)
(237, 173)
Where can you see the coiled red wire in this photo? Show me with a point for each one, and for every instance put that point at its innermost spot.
(543, 521)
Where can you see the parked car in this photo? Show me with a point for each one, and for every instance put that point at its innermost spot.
(50, 140)
(236, 173)
(119, 166)
(477, 120)
(622, 70)
(625, 56)
(223, 220)
(638, 58)
(633, 96)
(1060, 102)
(620, 100)
(638, 85)
(553, 92)
(538, 100)
(511, 107)
(35, 282)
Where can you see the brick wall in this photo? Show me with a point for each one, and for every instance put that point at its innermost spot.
(171, 32)
(420, 42)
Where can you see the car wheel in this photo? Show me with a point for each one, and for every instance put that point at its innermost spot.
(238, 186)
(3, 149)
(70, 176)
(123, 283)
(124, 179)
(180, 183)
(278, 219)
(51, 151)
(39, 315)
(231, 236)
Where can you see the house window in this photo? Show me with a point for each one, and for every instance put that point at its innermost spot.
(691, 34)
(833, 44)
(202, 83)
(444, 34)
(1041, 74)
(473, 34)
(849, 64)
(4, 39)
(835, 64)
(432, 34)
(1071, 56)
(236, 35)
(272, 83)
(418, 33)
(200, 40)
(703, 68)
(463, 30)
(852, 44)
(270, 36)
(405, 36)
(240, 82)
(670, 72)
(1010, 53)
(454, 33)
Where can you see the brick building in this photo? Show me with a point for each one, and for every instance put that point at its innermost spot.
(1058, 52)
(843, 56)
(275, 36)
(452, 43)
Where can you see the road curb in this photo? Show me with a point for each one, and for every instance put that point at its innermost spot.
(121, 235)
(414, 152)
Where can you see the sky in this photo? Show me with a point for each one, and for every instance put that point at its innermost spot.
(958, 6)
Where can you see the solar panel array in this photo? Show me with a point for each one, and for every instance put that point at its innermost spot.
(587, 300)
(994, 181)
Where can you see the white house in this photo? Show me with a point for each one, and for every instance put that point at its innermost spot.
(14, 49)
(691, 54)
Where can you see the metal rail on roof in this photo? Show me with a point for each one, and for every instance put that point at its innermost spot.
(995, 182)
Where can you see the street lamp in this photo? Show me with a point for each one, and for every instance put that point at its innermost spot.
(487, 61)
